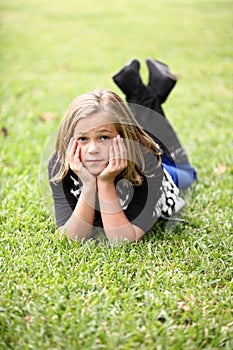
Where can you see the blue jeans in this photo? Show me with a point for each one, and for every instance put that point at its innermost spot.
(183, 174)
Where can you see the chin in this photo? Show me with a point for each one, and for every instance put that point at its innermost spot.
(96, 171)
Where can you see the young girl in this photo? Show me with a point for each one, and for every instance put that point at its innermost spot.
(107, 171)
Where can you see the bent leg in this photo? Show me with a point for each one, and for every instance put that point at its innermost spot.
(145, 103)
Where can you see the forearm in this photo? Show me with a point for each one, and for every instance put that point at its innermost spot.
(116, 225)
(80, 223)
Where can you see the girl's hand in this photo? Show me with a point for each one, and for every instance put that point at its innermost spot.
(117, 161)
(75, 163)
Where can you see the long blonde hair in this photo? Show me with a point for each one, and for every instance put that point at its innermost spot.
(106, 101)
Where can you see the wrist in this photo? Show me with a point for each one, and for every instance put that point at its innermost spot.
(104, 183)
(108, 198)
(89, 187)
(106, 191)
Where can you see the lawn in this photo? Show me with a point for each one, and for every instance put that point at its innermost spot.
(173, 289)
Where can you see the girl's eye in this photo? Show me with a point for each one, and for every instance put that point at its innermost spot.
(104, 138)
(82, 139)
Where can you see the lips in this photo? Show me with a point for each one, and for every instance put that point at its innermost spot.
(93, 160)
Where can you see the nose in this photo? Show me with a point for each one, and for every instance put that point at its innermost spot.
(93, 147)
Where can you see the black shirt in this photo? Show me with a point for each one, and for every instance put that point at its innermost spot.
(142, 205)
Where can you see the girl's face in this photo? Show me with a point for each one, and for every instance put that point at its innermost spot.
(94, 134)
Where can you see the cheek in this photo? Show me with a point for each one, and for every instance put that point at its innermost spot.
(105, 150)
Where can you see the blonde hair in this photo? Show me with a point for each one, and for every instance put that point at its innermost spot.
(128, 128)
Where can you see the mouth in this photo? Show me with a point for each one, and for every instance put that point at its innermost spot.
(94, 160)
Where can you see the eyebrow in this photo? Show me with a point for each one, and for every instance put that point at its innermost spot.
(104, 130)
(83, 133)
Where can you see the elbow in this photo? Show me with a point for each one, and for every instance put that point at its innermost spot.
(70, 234)
(128, 233)
(62, 230)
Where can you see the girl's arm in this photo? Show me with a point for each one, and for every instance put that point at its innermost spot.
(116, 225)
(80, 223)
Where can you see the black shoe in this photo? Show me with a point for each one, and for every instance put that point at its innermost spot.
(128, 78)
(129, 81)
(161, 80)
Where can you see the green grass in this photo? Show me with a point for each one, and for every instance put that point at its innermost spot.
(172, 290)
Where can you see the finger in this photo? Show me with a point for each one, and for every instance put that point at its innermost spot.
(122, 149)
(111, 153)
(122, 162)
(121, 156)
(72, 150)
(116, 147)
(73, 147)
(77, 153)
